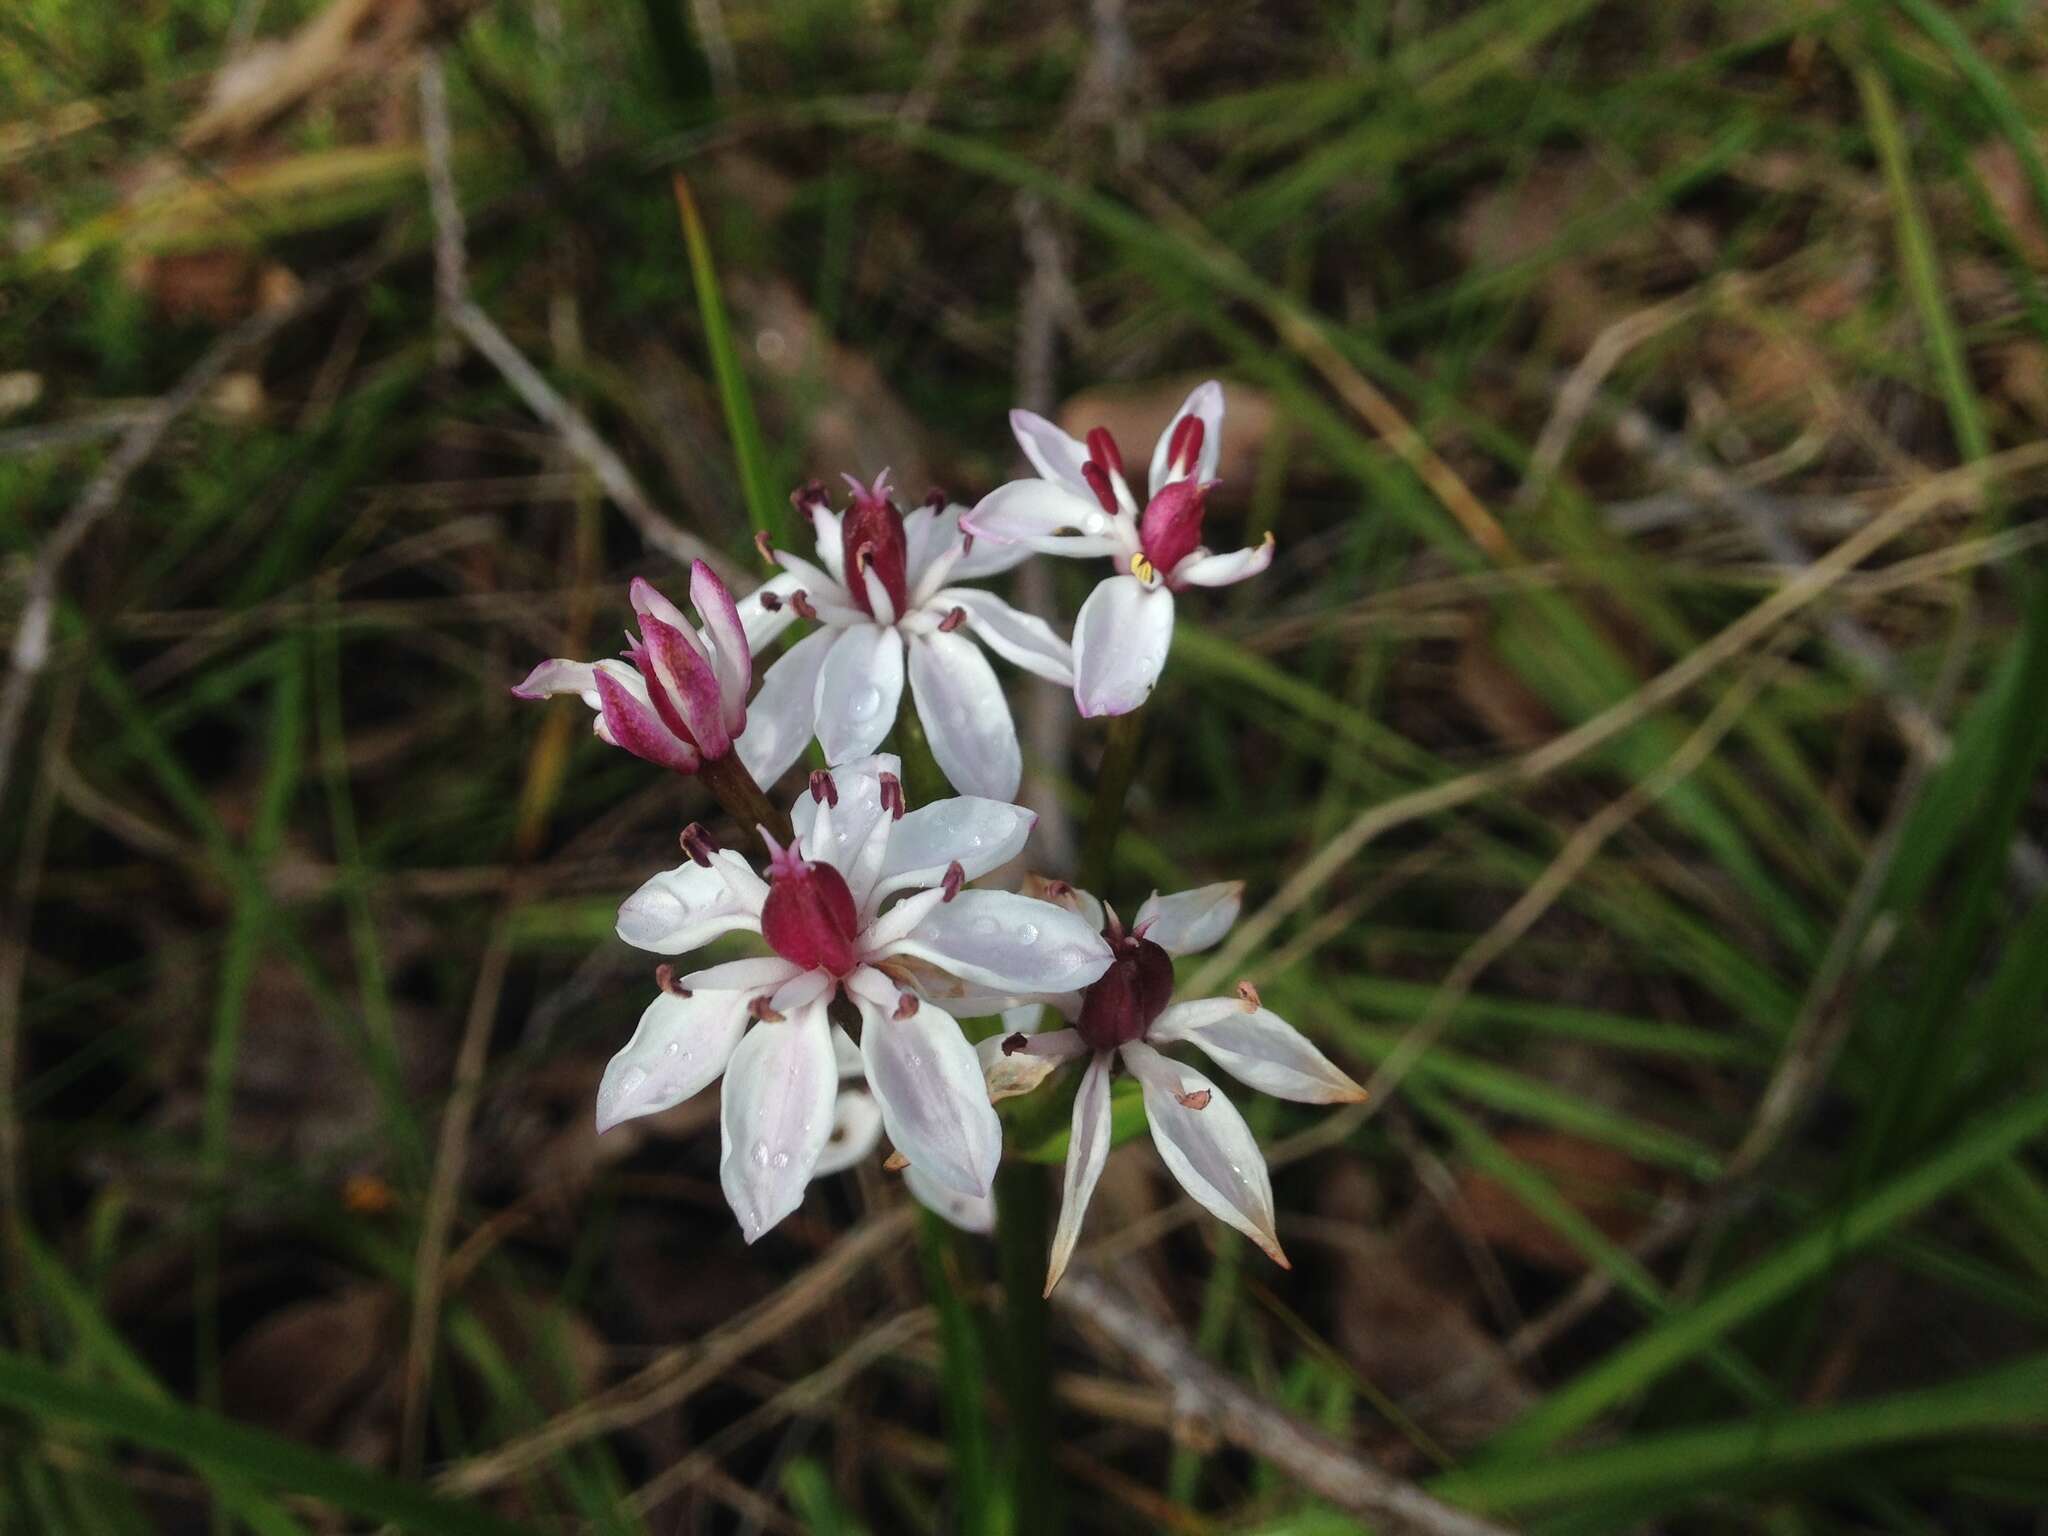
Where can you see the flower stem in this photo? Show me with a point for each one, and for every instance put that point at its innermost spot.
(742, 799)
(1106, 810)
(1022, 1253)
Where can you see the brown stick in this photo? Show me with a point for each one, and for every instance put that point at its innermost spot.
(1318, 1461)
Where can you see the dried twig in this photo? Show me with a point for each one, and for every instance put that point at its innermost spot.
(1318, 1461)
(540, 397)
(1957, 486)
(678, 1373)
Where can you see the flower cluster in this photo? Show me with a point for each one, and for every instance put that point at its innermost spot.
(871, 942)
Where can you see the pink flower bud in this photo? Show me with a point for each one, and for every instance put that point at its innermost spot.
(1172, 524)
(871, 538)
(809, 917)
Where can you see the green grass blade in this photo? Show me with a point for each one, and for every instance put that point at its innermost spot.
(212, 1443)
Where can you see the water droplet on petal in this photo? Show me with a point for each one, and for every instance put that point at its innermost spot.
(673, 1047)
(864, 704)
(760, 1154)
(1027, 934)
(630, 1081)
(780, 1160)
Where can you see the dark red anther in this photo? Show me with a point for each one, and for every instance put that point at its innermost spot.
(809, 917)
(765, 545)
(935, 499)
(1249, 996)
(800, 600)
(823, 790)
(665, 978)
(699, 845)
(1012, 1044)
(892, 796)
(950, 886)
(1098, 482)
(966, 545)
(1199, 1099)
(771, 602)
(764, 1010)
(809, 495)
(1102, 449)
(952, 621)
(1184, 448)
(906, 1005)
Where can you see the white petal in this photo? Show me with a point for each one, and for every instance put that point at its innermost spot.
(827, 526)
(935, 1105)
(1258, 1048)
(1020, 638)
(1202, 569)
(758, 976)
(856, 1128)
(980, 833)
(966, 717)
(1206, 402)
(985, 557)
(1011, 1072)
(1191, 921)
(683, 908)
(783, 716)
(801, 990)
(1046, 517)
(854, 835)
(762, 623)
(560, 675)
(1121, 638)
(1008, 943)
(926, 535)
(1087, 1151)
(678, 1049)
(858, 688)
(827, 593)
(970, 1213)
(1210, 1150)
(1024, 1019)
(1051, 451)
(846, 1056)
(776, 1117)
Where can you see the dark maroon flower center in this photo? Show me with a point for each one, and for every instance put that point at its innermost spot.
(1121, 1004)
(1171, 527)
(871, 539)
(809, 917)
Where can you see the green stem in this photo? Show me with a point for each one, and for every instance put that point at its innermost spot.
(939, 1251)
(1106, 810)
(1023, 1205)
(743, 800)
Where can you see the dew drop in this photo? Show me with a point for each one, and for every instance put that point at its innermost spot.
(865, 703)
(760, 1154)
(779, 1160)
(630, 1081)
(673, 1047)
(1027, 934)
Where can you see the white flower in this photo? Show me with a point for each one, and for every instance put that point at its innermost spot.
(1125, 1016)
(1081, 505)
(880, 589)
(825, 914)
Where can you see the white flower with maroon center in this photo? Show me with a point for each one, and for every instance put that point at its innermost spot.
(881, 587)
(1124, 1016)
(680, 698)
(824, 912)
(1081, 505)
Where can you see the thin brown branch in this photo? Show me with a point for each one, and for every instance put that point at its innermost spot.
(1318, 1461)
